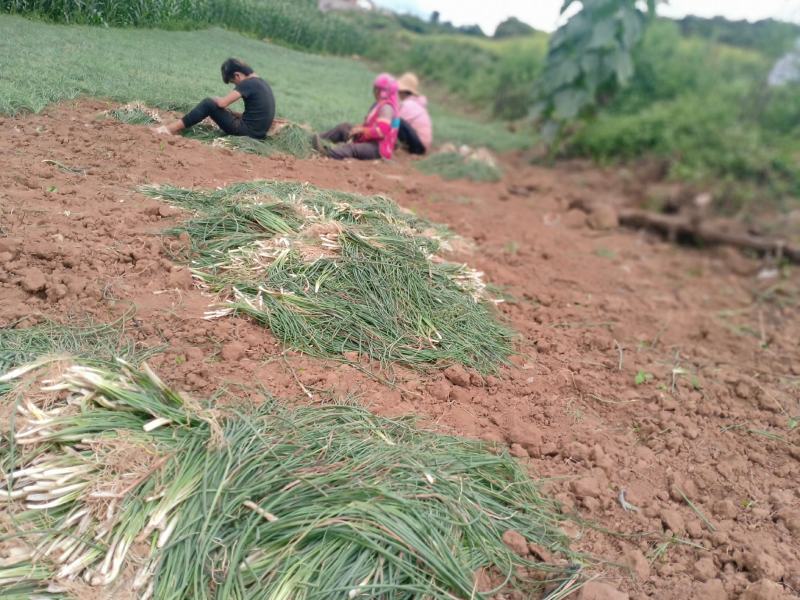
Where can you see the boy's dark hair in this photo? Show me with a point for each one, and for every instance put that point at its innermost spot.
(234, 65)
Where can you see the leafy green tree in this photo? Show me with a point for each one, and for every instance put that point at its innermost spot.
(588, 60)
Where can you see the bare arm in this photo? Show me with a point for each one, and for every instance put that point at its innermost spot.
(226, 101)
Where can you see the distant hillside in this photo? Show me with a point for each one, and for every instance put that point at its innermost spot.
(513, 27)
(769, 36)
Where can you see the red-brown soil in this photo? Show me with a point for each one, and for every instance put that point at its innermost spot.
(594, 307)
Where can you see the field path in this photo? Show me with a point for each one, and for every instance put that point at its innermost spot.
(668, 373)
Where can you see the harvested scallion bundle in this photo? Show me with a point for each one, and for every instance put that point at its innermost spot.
(332, 273)
(289, 139)
(118, 483)
(99, 343)
(135, 113)
(284, 138)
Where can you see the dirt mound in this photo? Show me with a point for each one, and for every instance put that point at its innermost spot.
(672, 375)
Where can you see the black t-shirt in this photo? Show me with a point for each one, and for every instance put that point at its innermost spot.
(259, 105)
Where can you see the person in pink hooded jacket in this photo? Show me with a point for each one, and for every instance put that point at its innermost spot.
(376, 137)
(416, 131)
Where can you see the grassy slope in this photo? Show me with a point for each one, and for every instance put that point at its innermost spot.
(45, 63)
(494, 76)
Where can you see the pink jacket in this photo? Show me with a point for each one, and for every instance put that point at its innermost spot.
(382, 125)
(414, 110)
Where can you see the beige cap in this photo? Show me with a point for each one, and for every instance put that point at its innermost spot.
(408, 83)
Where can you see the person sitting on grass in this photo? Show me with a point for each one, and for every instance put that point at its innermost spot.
(259, 105)
(377, 137)
(416, 131)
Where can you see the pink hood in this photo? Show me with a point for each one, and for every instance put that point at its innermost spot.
(385, 133)
(414, 110)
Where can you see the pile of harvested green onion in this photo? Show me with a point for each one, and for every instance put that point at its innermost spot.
(114, 483)
(334, 273)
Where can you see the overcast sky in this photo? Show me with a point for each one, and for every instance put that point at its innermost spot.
(543, 14)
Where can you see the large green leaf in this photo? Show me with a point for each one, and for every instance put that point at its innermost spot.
(569, 103)
(589, 58)
(632, 26)
(604, 35)
(624, 67)
(564, 74)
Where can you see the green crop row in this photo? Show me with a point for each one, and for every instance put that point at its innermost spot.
(295, 23)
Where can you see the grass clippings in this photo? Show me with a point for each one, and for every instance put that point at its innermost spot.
(332, 273)
(453, 165)
(315, 502)
(135, 113)
(289, 138)
(284, 138)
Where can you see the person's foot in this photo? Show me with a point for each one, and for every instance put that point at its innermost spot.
(161, 130)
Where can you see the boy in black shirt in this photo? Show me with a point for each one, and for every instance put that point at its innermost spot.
(259, 105)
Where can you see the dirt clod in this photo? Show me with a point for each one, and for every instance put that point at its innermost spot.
(764, 590)
(56, 292)
(540, 553)
(791, 518)
(516, 542)
(33, 280)
(762, 565)
(526, 435)
(603, 217)
(233, 351)
(168, 211)
(194, 354)
(594, 590)
(9, 245)
(673, 521)
(637, 562)
(457, 375)
(181, 279)
(587, 487)
(711, 590)
(518, 451)
(440, 390)
(725, 509)
(483, 583)
(705, 569)
(574, 218)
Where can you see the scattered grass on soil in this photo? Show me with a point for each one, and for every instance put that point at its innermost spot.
(135, 113)
(175, 69)
(452, 165)
(332, 273)
(120, 482)
(287, 138)
(96, 342)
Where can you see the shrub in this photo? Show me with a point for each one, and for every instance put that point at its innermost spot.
(704, 108)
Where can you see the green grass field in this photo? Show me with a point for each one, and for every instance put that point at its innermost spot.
(44, 63)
